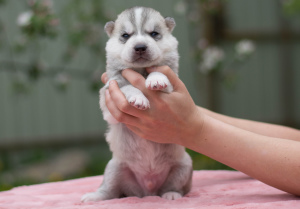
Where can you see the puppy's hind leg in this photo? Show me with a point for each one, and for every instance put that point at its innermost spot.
(179, 180)
(110, 187)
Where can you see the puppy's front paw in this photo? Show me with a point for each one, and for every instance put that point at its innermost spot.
(171, 195)
(158, 81)
(93, 196)
(139, 101)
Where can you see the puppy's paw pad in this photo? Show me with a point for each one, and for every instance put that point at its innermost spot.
(93, 196)
(156, 85)
(171, 195)
(139, 102)
(157, 81)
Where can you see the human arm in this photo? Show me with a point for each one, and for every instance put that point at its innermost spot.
(266, 129)
(274, 161)
(174, 118)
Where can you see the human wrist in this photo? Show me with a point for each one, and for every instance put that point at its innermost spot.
(193, 131)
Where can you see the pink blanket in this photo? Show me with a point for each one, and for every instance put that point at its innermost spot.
(211, 189)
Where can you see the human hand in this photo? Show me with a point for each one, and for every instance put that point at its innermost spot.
(172, 117)
(104, 78)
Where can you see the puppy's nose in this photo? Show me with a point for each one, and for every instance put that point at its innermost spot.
(140, 48)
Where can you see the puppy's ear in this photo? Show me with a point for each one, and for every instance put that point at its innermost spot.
(109, 27)
(170, 23)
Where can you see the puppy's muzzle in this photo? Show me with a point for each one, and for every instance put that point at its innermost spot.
(140, 49)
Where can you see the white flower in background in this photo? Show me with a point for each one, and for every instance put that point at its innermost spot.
(24, 18)
(211, 58)
(244, 48)
(180, 8)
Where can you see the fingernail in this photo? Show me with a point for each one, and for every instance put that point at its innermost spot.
(105, 80)
(112, 82)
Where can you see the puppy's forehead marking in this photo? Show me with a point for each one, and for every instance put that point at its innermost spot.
(152, 20)
(128, 27)
(141, 20)
(132, 17)
(138, 17)
(152, 25)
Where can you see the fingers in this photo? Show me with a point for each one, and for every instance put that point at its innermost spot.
(116, 113)
(136, 79)
(118, 104)
(173, 78)
(104, 78)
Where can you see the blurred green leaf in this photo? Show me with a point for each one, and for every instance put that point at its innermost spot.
(35, 70)
(20, 86)
(291, 7)
(95, 86)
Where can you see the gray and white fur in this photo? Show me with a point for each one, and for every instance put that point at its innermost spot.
(140, 38)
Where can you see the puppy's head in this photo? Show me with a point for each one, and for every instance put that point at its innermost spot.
(140, 37)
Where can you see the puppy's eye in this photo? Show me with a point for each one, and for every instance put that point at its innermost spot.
(126, 35)
(154, 34)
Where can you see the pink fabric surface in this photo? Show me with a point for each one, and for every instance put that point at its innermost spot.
(211, 189)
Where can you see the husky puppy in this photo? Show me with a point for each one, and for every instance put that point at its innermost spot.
(140, 38)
